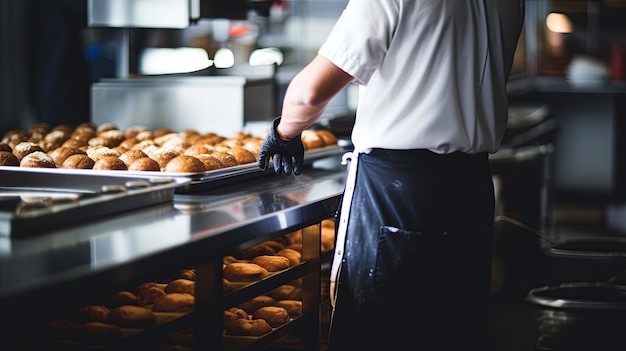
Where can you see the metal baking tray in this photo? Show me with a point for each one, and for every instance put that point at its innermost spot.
(32, 197)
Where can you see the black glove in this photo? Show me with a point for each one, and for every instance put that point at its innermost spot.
(287, 155)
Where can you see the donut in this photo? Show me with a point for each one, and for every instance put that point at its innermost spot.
(112, 163)
(60, 154)
(132, 316)
(37, 159)
(144, 164)
(174, 302)
(257, 302)
(275, 316)
(8, 159)
(78, 161)
(247, 327)
(24, 148)
(272, 263)
(293, 307)
(185, 163)
(243, 272)
(181, 286)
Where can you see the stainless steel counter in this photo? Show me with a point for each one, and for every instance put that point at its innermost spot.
(73, 266)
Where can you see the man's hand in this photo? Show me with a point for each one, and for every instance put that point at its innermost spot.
(288, 156)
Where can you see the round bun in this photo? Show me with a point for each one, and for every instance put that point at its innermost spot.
(243, 272)
(328, 137)
(240, 313)
(144, 164)
(227, 159)
(162, 155)
(24, 148)
(131, 316)
(37, 159)
(112, 163)
(210, 162)
(257, 302)
(185, 163)
(272, 263)
(8, 159)
(132, 155)
(275, 316)
(98, 333)
(247, 327)
(60, 154)
(286, 292)
(292, 255)
(174, 302)
(78, 161)
(256, 250)
(293, 307)
(242, 155)
(121, 298)
(181, 286)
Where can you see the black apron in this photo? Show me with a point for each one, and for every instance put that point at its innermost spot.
(416, 268)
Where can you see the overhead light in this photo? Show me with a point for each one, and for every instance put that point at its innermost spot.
(559, 23)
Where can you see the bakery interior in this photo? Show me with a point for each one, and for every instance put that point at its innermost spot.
(78, 248)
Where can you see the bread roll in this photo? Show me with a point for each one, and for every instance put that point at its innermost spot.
(185, 163)
(293, 307)
(78, 161)
(131, 316)
(247, 327)
(272, 263)
(243, 272)
(210, 162)
(37, 159)
(328, 137)
(174, 302)
(250, 306)
(275, 316)
(181, 286)
(132, 155)
(144, 164)
(60, 154)
(90, 313)
(121, 298)
(24, 148)
(162, 156)
(112, 163)
(149, 292)
(292, 255)
(8, 159)
(227, 159)
(242, 155)
(311, 140)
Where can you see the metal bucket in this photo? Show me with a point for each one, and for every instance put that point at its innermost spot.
(580, 316)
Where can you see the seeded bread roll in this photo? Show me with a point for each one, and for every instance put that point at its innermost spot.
(78, 161)
(210, 162)
(242, 155)
(162, 155)
(275, 316)
(174, 302)
(131, 316)
(37, 159)
(132, 155)
(24, 148)
(227, 159)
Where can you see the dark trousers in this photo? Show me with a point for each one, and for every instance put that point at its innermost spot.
(416, 270)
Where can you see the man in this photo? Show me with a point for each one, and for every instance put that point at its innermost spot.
(413, 256)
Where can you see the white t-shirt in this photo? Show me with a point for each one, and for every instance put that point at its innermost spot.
(432, 72)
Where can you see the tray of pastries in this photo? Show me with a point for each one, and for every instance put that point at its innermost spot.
(138, 151)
